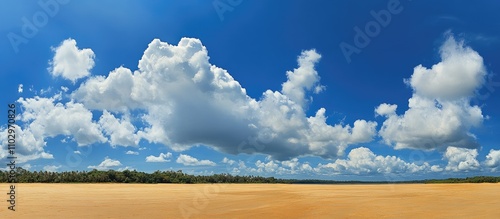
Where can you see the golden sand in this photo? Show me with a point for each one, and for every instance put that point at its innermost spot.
(256, 201)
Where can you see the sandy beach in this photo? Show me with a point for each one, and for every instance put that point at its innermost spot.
(254, 201)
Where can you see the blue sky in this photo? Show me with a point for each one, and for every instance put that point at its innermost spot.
(385, 90)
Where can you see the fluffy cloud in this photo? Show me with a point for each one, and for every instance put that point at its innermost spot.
(187, 160)
(106, 164)
(29, 146)
(302, 79)
(271, 166)
(182, 96)
(121, 132)
(461, 159)
(70, 62)
(493, 160)
(228, 161)
(440, 113)
(46, 118)
(363, 161)
(161, 158)
(386, 109)
(292, 166)
(117, 89)
(460, 73)
(20, 88)
(132, 153)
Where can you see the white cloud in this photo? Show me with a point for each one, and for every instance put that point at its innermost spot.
(302, 79)
(161, 158)
(461, 159)
(228, 161)
(292, 166)
(121, 131)
(119, 91)
(51, 168)
(183, 95)
(70, 62)
(77, 152)
(436, 168)
(29, 145)
(440, 113)
(458, 75)
(49, 119)
(271, 166)
(386, 109)
(106, 164)
(493, 160)
(132, 153)
(20, 88)
(126, 168)
(363, 161)
(187, 160)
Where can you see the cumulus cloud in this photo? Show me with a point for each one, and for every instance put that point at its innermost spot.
(29, 145)
(461, 159)
(132, 153)
(270, 166)
(363, 161)
(70, 62)
(386, 109)
(493, 160)
(187, 160)
(20, 88)
(292, 166)
(228, 161)
(120, 131)
(182, 96)
(303, 78)
(51, 168)
(48, 118)
(460, 73)
(161, 158)
(439, 112)
(106, 164)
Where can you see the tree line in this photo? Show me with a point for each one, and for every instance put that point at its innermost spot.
(475, 179)
(129, 176)
(133, 176)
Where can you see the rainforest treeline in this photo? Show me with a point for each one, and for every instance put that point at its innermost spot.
(133, 176)
(129, 176)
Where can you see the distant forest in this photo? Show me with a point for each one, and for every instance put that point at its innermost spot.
(127, 176)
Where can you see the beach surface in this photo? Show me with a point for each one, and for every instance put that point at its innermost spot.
(253, 201)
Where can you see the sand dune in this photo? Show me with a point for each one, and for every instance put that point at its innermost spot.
(254, 201)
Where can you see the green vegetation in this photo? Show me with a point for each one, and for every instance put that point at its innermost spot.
(475, 179)
(127, 176)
